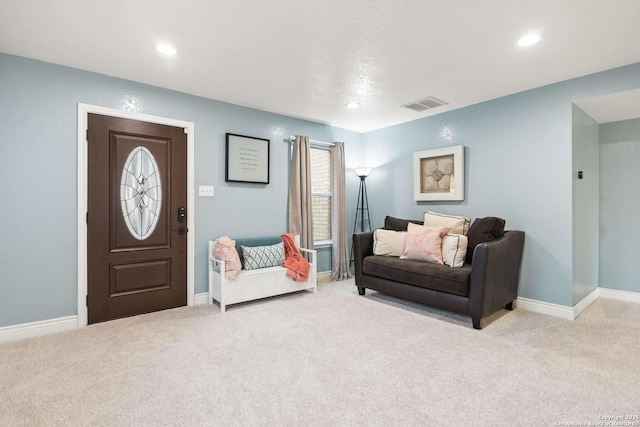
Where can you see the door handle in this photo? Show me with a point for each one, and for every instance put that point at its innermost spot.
(182, 214)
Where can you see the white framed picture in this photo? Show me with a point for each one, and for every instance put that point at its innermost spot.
(438, 174)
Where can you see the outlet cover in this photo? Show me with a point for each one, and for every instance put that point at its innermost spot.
(205, 191)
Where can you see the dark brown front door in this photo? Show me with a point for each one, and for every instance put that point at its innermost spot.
(136, 222)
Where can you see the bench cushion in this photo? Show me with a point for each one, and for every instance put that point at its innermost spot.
(419, 273)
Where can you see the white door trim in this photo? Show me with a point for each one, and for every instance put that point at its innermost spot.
(83, 118)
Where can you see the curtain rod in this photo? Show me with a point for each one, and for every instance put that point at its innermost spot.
(313, 141)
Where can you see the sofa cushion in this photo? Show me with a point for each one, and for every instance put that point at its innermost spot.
(424, 243)
(483, 230)
(454, 249)
(397, 224)
(456, 224)
(388, 242)
(419, 273)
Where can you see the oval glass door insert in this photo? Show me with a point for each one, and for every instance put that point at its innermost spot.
(141, 192)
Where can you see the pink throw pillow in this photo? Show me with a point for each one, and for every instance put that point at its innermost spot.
(424, 243)
(225, 250)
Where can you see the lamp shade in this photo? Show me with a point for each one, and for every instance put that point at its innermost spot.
(362, 171)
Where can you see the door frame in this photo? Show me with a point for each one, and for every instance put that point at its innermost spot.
(82, 162)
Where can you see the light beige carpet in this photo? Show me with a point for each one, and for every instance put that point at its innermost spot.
(333, 358)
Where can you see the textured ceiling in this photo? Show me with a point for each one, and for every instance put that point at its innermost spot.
(307, 59)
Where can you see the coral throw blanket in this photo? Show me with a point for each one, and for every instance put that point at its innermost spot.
(293, 260)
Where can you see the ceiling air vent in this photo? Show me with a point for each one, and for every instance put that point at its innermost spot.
(424, 104)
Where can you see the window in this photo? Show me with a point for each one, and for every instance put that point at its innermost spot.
(321, 194)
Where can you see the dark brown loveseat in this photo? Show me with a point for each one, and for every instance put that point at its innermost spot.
(477, 290)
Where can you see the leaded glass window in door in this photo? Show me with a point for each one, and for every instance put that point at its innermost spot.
(141, 192)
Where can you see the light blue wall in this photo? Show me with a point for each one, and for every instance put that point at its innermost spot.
(38, 110)
(518, 166)
(620, 205)
(585, 204)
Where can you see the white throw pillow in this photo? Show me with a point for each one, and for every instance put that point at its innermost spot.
(456, 224)
(454, 249)
(388, 242)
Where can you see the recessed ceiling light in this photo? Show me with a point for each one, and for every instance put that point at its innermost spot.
(353, 105)
(166, 49)
(529, 39)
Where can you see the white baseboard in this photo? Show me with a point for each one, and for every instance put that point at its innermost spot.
(34, 329)
(548, 308)
(620, 295)
(201, 299)
(323, 275)
(585, 302)
(60, 324)
(571, 313)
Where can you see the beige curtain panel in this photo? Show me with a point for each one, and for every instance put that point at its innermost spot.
(340, 250)
(300, 213)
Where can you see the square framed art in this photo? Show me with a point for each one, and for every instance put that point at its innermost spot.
(439, 174)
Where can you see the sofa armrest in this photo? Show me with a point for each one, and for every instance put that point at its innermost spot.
(495, 274)
(362, 248)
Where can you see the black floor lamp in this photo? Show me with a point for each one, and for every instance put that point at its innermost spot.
(362, 207)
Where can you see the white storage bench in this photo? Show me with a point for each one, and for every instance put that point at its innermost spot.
(255, 284)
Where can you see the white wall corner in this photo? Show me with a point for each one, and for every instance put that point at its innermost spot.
(34, 329)
(585, 302)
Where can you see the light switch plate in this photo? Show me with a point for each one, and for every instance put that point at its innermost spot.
(205, 191)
